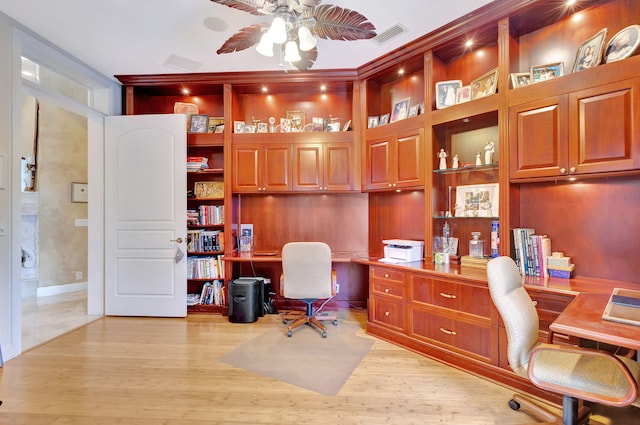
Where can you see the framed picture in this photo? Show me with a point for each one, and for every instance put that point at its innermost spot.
(413, 110)
(219, 128)
(384, 119)
(546, 72)
(372, 122)
(238, 126)
(520, 79)
(215, 122)
(484, 85)
(463, 94)
(249, 128)
(589, 53)
(623, 44)
(346, 126)
(477, 200)
(199, 123)
(208, 190)
(263, 127)
(400, 110)
(446, 93)
(285, 125)
(79, 192)
(297, 120)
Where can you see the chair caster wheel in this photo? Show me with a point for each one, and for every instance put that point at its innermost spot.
(335, 323)
(514, 405)
(324, 334)
(289, 334)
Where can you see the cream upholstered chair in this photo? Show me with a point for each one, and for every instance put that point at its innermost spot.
(306, 276)
(576, 373)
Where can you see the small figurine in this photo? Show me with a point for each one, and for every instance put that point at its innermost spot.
(455, 161)
(478, 160)
(488, 153)
(443, 159)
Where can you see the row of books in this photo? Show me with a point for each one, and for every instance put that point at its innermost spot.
(206, 215)
(212, 293)
(196, 163)
(531, 251)
(205, 240)
(205, 267)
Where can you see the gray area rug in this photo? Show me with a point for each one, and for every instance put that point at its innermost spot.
(306, 359)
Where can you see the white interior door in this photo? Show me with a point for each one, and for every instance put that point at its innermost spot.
(145, 215)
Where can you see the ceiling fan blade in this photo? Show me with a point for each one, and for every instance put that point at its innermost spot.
(307, 60)
(337, 23)
(253, 7)
(243, 39)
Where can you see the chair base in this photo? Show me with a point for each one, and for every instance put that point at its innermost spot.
(573, 411)
(301, 318)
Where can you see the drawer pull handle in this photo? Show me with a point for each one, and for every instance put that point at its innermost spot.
(447, 331)
(535, 303)
(386, 313)
(450, 296)
(387, 290)
(386, 275)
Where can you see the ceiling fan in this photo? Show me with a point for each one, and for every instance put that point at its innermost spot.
(295, 26)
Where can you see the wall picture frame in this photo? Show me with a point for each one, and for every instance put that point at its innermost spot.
(546, 72)
(199, 123)
(520, 79)
(589, 53)
(485, 85)
(477, 200)
(446, 93)
(623, 44)
(400, 110)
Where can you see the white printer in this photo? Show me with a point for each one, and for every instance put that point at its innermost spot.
(402, 250)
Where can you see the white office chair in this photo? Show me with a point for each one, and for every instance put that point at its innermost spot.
(576, 373)
(306, 276)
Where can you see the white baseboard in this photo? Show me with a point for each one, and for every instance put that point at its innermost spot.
(46, 291)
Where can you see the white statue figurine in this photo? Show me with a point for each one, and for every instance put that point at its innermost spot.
(488, 153)
(443, 159)
(455, 161)
(478, 160)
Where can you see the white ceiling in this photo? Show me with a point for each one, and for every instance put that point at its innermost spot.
(139, 36)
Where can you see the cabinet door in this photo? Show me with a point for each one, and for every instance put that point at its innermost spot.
(276, 168)
(379, 163)
(538, 138)
(338, 166)
(604, 130)
(247, 169)
(410, 160)
(307, 167)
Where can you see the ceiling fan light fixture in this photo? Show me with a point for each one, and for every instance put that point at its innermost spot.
(306, 39)
(278, 30)
(265, 47)
(291, 53)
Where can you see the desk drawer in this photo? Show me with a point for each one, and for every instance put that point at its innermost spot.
(389, 289)
(387, 312)
(385, 274)
(453, 296)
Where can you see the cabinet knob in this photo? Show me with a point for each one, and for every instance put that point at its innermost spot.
(386, 313)
(390, 185)
(386, 290)
(386, 275)
(563, 170)
(572, 169)
(535, 303)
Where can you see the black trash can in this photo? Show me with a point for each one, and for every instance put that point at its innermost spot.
(245, 300)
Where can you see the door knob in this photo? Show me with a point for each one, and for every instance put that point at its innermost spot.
(179, 240)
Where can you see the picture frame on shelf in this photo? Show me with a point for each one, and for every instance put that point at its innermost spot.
(219, 128)
(238, 126)
(477, 200)
(589, 53)
(520, 79)
(372, 121)
(400, 110)
(446, 93)
(413, 110)
(296, 119)
(485, 85)
(463, 94)
(249, 128)
(623, 44)
(384, 119)
(198, 123)
(208, 190)
(263, 127)
(214, 122)
(346, 126)
(546, 72)
(285, 125)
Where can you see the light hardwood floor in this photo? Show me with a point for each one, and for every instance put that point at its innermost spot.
(146, 371)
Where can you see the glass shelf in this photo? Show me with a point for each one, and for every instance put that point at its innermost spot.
(467, 169)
